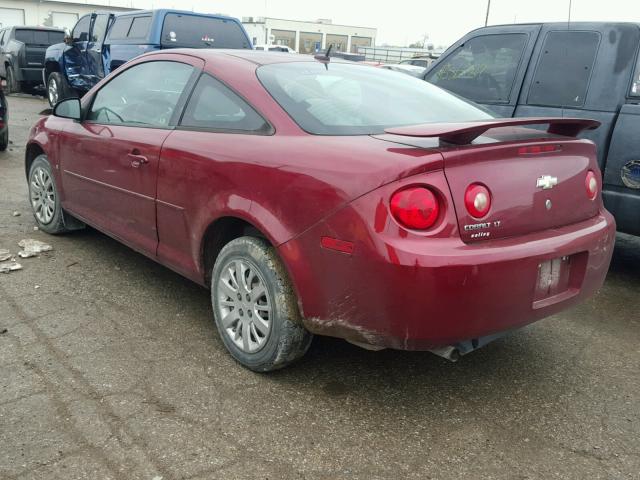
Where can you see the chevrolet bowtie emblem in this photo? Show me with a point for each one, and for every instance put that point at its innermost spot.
(546, 182)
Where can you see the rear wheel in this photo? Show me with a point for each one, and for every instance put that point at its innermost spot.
(255, 308)
(57, 89)
(12, 85)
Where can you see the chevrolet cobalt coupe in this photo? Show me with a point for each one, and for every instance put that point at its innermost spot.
(316, 196)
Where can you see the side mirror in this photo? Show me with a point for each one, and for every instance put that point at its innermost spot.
(68, 108)
(68, 40)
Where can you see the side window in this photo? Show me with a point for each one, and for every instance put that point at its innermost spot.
(81, 30)
(213, 105)
(143, 95)
(635, 83)
(120, 28)
(99, 28)
(572, 53)
(482, 69)
(140, 27)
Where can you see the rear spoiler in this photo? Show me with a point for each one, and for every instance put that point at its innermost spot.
(466, 132)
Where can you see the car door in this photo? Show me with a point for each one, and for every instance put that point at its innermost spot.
(74, 54)
(202, 157)
(487, 66)
(109, 160)
(94, 63)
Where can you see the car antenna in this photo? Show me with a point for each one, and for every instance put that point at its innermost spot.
(324, 57)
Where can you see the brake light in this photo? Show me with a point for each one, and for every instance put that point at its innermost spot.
(591, 184)
(536, 149)
(415, 207)
(477, 199)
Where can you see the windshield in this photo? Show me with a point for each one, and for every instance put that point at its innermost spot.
(351, 99)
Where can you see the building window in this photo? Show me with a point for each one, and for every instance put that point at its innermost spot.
(359, 42)
(339, 42)
(310, 42)
(284, 37)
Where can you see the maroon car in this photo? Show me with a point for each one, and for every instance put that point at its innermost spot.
(315, 196)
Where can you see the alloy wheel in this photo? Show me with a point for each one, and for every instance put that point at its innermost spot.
(244, 306)
(53, 91)
(43, 195)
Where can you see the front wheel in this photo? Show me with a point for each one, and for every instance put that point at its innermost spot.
(44, 198)
(4, 139)
(57, 89)
(255, 308)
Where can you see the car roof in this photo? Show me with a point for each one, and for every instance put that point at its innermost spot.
(36, 27)
(257, 57)
(164, 11)
(571, 25)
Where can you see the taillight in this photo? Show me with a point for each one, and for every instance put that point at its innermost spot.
(591, 184)
(537, 149)
(415, 207)
(477, 199)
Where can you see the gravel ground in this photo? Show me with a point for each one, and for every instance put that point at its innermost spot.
(111, 368)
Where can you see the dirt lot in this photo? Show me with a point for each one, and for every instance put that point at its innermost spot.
(111, 368)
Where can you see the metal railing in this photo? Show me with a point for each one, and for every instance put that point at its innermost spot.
(392, 55)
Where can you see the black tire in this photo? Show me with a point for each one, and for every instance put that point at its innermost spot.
(60, 85)
(56, 224)
(12, 85)
(4, 139)
(287, 339)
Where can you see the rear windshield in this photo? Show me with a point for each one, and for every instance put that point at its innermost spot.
(192, 31)
(38, 37)
(346, 99)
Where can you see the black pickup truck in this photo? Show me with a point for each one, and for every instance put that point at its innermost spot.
(22, 51)
(582, 69)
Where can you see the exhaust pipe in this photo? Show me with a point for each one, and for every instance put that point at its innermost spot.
(451, 353)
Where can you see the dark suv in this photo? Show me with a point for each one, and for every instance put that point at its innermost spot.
(101, 42)
(586, 70)
(22, 52)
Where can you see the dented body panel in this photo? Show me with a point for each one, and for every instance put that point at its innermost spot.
(85, 62)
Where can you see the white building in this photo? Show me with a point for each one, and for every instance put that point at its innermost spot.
(305, 37)
(58, 13)
(308, 37)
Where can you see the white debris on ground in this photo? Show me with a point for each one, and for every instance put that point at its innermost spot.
(4, 254)
(31, 247)
(8, 267)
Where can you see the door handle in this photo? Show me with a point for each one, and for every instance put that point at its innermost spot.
(137, 160)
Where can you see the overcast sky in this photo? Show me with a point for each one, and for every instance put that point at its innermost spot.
(400, 22)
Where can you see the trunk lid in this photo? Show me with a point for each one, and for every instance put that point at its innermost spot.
(524, 198)
(529, 191)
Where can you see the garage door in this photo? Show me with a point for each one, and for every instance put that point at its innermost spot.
(64, 20)
(11, 16)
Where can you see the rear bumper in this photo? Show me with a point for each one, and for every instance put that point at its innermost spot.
(429, 293)
(624, 205)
